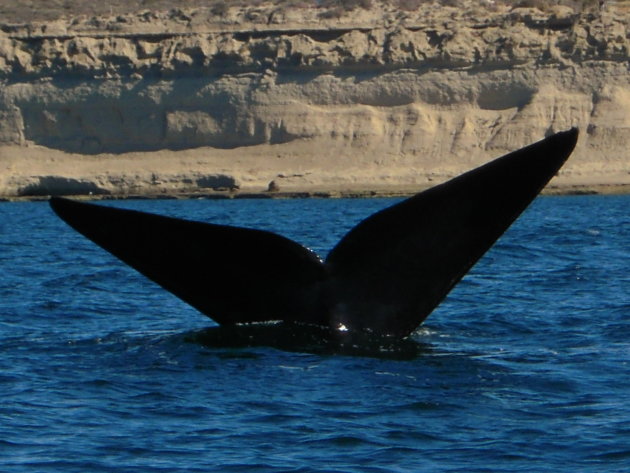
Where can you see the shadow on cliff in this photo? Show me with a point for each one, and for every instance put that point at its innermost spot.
(89, 117)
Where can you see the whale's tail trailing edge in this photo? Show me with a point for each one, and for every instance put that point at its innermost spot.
(385, 276)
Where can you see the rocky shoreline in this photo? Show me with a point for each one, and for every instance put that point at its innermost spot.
(359, 193)
(374, 102)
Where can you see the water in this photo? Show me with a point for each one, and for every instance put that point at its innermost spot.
(525, 367)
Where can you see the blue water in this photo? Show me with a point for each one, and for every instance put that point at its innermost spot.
(525, 367)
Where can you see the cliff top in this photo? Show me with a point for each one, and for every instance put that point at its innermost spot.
(112, 17)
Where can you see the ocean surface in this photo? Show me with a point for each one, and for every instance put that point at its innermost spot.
(524, 368)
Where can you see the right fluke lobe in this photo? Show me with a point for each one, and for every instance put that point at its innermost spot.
(395, 267)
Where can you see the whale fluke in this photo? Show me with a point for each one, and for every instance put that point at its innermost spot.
(384, 277)
(234, 275)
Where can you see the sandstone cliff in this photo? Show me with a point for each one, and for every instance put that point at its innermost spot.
(151, 103)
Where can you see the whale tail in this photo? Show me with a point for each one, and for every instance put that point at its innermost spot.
(385, 276)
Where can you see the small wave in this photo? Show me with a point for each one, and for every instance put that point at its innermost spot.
(344, 441)
(617, 455)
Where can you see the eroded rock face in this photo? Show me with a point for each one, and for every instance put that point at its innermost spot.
(404, 95)
(56, 185)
